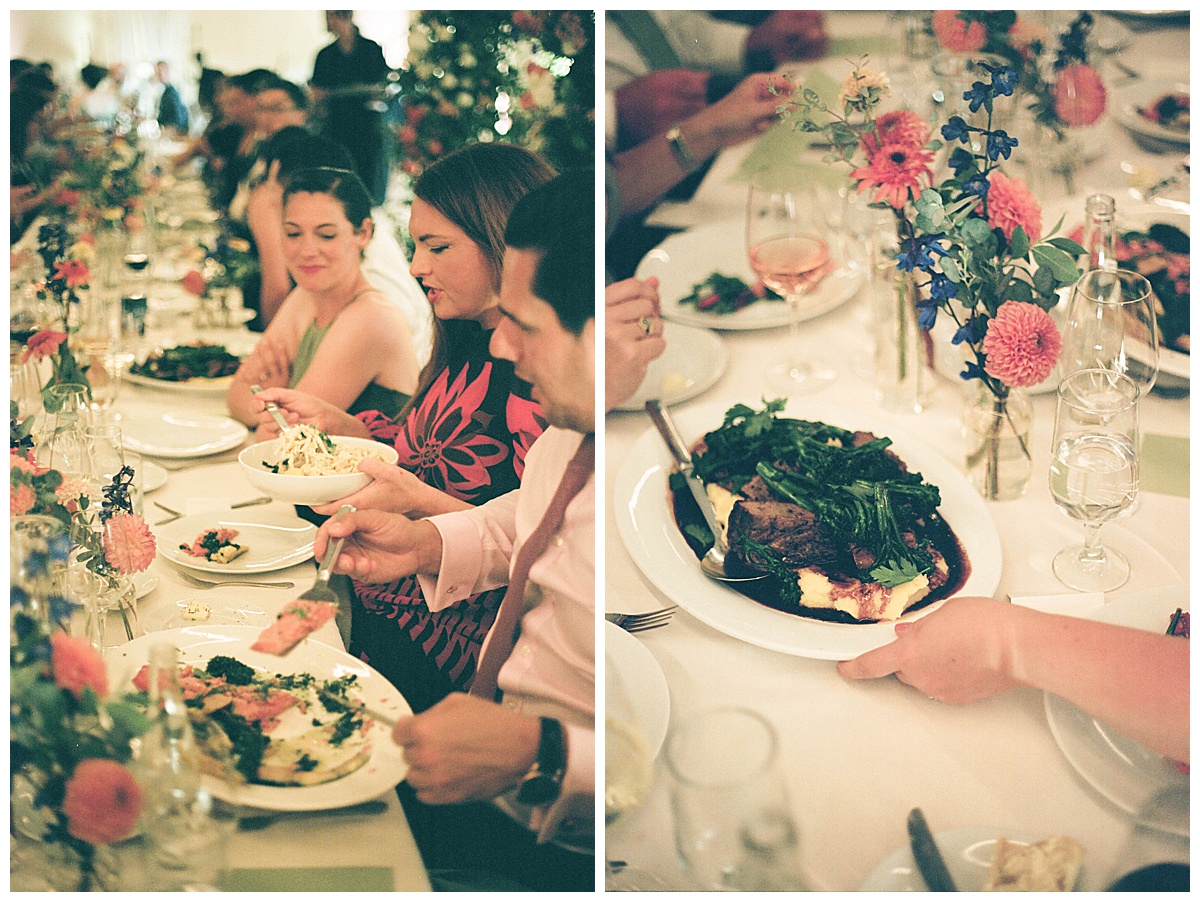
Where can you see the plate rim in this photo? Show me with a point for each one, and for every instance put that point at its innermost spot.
(1125, 110)
(631, 648)
(297, 798)
(1120, 611)
(299, 556)
(662, 555)
(197, 385)
(952, 843)
(738, 322)
(714, 346)
(235, 437)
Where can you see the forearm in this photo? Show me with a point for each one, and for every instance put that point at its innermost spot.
(1134, 681)
(276, 281)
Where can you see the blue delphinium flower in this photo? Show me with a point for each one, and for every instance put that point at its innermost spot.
(941, 288)
(956, 129)
(978, 95)
(971, 331)
(999, 144)
(918, 253)
(977, 185)
(960, 160)
(973, 371)
(927, 311)
(1003, 80)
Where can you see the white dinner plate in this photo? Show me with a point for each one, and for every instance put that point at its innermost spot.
(153, 476)
(689, 257)
(386, 767)
(968, 853)
(1128, 99)
(179, 435)
(638, 670)
(647, 527)
(1124, 772)
(692, 363)
(240, 613)
(144, 583)
(195, 386)
(275, 540)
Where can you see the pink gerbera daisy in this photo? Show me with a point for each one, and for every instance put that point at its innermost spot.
(1010, 204)
(895, 173)
(102, 801)
(898, 127)
(128, 543)
(75, 272)
(1022, 344)
(42, 343)
(956, 35)
(1079, 95)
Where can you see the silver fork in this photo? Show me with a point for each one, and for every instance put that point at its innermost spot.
(208, 584)
(636, 623)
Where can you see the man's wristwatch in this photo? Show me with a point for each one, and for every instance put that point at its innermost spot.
(683, 153)
(543, 782)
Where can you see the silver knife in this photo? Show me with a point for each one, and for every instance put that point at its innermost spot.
(680, 452)
(358, 708)
(927, 855)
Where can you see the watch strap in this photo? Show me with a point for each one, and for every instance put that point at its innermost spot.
(541, 784)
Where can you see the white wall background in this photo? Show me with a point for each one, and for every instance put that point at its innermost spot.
(233, 41)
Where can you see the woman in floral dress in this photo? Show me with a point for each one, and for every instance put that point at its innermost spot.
(462, 438)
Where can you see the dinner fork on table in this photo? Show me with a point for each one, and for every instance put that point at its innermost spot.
(209, 584)
(637, 623)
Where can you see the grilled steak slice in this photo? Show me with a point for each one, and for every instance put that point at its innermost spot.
(787, 528)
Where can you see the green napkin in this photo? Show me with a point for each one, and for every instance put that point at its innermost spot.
(298, 880)
(1165, 465)
(853, 48)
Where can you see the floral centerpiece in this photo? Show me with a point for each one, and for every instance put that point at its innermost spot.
(974, 241)
(105, 186)
(526, 77)
(228, 263)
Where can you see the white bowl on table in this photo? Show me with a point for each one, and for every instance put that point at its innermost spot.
(307, 489)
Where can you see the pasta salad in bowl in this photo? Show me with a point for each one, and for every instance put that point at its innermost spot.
(306, 466)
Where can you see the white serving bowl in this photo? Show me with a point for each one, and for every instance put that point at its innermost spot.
(307, 489)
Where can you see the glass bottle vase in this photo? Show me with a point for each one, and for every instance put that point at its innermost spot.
(996, 430)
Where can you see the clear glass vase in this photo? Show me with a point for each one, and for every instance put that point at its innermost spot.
(996, 429)
(902, 375)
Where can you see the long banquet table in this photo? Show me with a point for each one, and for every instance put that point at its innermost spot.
(354, 851)
(859, 755)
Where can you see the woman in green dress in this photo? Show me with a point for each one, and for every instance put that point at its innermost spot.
(336, 337)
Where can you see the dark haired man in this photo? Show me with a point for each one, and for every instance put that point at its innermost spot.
(524, 738)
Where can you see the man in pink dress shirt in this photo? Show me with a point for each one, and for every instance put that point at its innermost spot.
(531, 752)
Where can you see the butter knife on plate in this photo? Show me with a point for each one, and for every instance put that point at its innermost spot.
(927, 855)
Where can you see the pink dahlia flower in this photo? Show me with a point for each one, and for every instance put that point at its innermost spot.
(1022, 344)
(76, 665)
(895, 173)
(21, 500)
(102, 801)
(898, 127)
(1010, 204)
(1080, 97)
(128, 543)
(956, 35)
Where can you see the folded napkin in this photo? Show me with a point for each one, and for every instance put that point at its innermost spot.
(296, 880)
(1073, 604)
(1165, 465)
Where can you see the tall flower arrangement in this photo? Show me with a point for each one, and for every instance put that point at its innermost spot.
(526, 77)
(105, 186)
(975, 238)
(66, 260)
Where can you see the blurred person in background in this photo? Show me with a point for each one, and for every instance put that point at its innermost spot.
(172, 111)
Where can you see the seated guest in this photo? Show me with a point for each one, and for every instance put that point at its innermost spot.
(172, 112)
(336, 336)
(91, 103)
(462, 439)
(239, 139)
(523, 741)
(384, 262)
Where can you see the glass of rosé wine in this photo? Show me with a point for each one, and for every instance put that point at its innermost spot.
(789, 252)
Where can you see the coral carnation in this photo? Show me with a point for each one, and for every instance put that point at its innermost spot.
(894, 173)
(956, 35)
(194, 283)
(75, 272)
(1079, 95)
(43, 343)
(102, 801)
(898, 127)
(1010, 204)
(76, 665)
(1022, 344)
(21, 500)
(128, 543)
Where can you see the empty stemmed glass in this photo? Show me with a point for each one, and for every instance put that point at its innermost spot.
(789, 253)
(1111, 325)
(1094, 471)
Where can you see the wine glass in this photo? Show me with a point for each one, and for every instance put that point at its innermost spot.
(1111, 325)
(733, 822)
(628, 773)
(788, 251)
(1094, 471)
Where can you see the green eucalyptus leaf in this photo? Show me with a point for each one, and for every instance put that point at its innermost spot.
(1074, 248)
(1017, 290)
(1059, 262)
(950, 269)
(1043, 281)
(1018, 244)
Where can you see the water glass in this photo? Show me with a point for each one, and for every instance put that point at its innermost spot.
(733, 822)
(1111, 325)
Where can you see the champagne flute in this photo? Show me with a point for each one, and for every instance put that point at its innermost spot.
(1111, 325)
(787, 250)
(1094, 471)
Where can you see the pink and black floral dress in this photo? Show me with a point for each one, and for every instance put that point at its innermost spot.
(467, 437)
